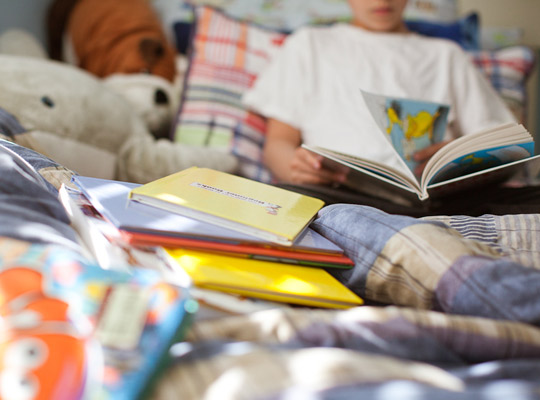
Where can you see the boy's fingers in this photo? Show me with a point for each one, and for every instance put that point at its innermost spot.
(427, 152)
(307, 167)
(314, 160)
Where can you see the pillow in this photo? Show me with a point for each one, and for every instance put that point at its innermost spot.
(508, 70)
(493, 38)
(177, 19)
(432, 10)
(427, 264)
(464, 31)
(226, 58)
(434, 18)
(285, 16)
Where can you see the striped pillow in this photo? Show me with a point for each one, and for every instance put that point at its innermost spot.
(508, 70)
(226, 58)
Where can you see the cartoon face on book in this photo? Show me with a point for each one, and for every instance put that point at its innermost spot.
(41, 352)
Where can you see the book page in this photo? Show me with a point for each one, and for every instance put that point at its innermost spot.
(482, 159)
(469, 152)
(409, 125)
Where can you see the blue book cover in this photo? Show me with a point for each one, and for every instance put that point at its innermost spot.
(482, 160)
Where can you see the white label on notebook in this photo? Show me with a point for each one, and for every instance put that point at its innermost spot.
(270, 208)
(123, 317)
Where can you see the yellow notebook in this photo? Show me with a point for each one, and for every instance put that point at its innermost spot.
(255, 208)
(266, 280)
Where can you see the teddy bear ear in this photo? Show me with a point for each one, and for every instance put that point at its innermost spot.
(152, 51)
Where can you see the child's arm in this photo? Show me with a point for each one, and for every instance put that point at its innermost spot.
(290, 163)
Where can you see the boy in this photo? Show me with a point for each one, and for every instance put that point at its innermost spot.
(311, 90)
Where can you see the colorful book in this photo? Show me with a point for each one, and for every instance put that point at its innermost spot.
(95, 333)
(143, 225)
(266, 280)
(244, 205)
(493, 155)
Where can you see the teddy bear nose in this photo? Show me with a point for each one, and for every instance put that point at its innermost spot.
(160, 97)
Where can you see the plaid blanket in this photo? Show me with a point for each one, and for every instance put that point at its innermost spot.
(455, 314)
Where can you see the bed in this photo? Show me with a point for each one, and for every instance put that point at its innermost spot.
(452, 305)
(451, 309)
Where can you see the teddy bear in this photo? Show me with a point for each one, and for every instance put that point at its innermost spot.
(122, 42)
(75, 119)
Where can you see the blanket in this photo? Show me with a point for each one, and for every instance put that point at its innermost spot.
(455, 314)
(452, 310)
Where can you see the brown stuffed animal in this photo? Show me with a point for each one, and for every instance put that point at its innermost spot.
(111, 36)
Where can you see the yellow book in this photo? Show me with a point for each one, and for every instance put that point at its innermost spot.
(265, 280)
(261, 210)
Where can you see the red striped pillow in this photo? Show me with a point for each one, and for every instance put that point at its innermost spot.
(226, 57)
(508, 70)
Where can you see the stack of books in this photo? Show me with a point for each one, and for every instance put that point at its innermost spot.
(228, 233)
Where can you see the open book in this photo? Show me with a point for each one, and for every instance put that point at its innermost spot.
(493, 155)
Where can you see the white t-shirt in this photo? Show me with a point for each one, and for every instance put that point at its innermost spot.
(314, 84)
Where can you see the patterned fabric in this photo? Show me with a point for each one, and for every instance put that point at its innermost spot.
(365, 352)
(486, 267)
(457, 264)
(283, 15)
(54, 174)
(426, 264)
(513, 236)
(227, 56)
(432, 10)
(434, 18)
(177, 16)
(508, 70)
(29, 206)
(12, 132)
(390, 324)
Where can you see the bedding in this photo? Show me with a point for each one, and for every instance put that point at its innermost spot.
(452, 301)
(452, 310)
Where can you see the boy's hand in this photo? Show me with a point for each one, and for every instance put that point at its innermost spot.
(306, 168)
(423, 156)
(291, 163)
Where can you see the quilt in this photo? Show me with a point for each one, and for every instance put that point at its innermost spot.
(452, 308)
(452, 312)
